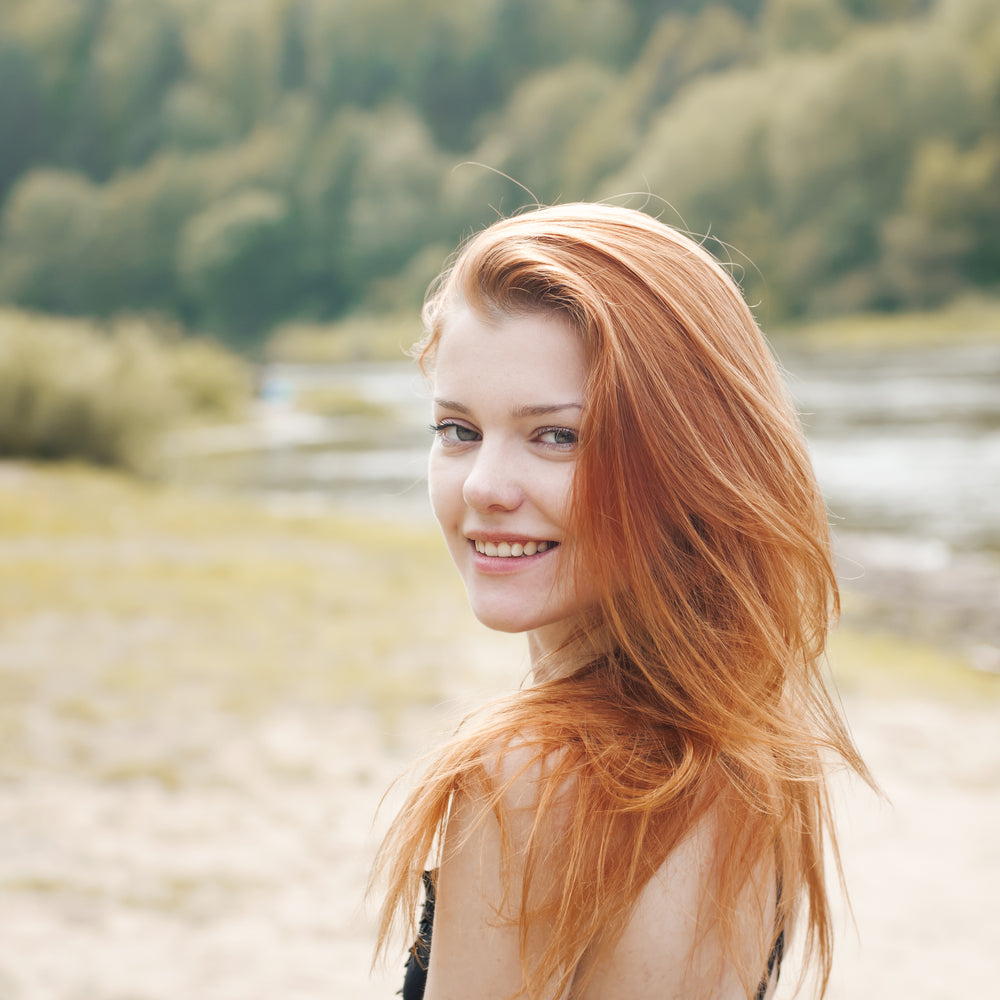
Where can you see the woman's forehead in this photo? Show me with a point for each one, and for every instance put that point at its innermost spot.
(528, 355)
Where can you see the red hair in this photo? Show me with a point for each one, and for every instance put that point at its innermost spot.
(697, 514)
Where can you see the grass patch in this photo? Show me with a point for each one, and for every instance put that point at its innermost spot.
(357, 338)
(129, 607)
(140, 622)
(885, 664)
(968, 320)
(338, 402)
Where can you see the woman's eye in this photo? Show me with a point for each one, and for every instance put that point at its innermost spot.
(560, 436)
(454, 433)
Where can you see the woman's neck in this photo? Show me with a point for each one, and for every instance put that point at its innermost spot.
(560, 649)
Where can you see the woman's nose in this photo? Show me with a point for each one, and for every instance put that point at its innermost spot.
(492, 482)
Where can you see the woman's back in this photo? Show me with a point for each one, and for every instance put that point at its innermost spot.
(655, 948)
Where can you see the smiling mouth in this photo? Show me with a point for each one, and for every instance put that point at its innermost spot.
(511, 550)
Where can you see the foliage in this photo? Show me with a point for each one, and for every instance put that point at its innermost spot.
(71, 389)
(801, 25)
(225, 261)
(382, 337)
(967, 320)
(243, 166)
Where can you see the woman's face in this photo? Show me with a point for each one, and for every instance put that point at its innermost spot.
(508, 403)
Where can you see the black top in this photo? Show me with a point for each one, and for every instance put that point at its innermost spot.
(415, 981)
(420, 954)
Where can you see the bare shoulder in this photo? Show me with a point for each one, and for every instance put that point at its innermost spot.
(476, 950)
(670, 946)
(529, 778)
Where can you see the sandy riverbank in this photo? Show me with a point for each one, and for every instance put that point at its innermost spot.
(246, 881)
(190, 767)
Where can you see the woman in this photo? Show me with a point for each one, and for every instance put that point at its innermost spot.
(618, 474)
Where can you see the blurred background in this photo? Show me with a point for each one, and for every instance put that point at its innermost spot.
(225, 621)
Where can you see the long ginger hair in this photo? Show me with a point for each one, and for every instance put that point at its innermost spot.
(696, 513)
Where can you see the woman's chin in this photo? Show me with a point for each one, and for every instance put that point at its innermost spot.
(500, 621)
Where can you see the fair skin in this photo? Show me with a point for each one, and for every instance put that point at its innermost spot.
(508, 405)
(508, 408)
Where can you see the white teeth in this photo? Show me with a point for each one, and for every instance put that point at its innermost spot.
(509, 550)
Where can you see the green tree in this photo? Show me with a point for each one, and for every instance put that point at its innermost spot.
(887, 10)
(530, 35)
(803, 25)
(137, 55)
(680, 50)
(454, 76)
(49, 223)
(528, 140)
(235, 51)
(194, 118)
(839, 150)
(323, 191)
(230, 261)
(355, 53)
(141, 212)
(23, 114)
(390, 215)
(84, 142)
(704, 154)
(826, 138)
(955, 195)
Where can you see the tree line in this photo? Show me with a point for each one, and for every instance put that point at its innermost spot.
(234, 165)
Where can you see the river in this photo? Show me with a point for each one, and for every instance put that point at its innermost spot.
(905, 442)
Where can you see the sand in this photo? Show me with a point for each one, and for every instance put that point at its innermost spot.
(242, 877)
(160, 839)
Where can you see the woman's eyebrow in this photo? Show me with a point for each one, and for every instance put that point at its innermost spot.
(527, 410)
(541, 409)
(450, 404)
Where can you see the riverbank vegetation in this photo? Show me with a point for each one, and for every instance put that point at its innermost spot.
(970, 319)
(285, 178)
(357, 338)
(123, 602)
(123, 599)
(107, 392)
(242, 166)
(110, 392)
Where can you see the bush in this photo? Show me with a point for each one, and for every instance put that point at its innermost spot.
(71, 389)
(355, 338)
(213, 383)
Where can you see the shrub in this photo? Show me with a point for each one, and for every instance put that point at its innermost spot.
(72, 389)
(354, 338)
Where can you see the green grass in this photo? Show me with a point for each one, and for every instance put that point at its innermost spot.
(356, 338)
(884, 664)
(124, 605)
(967, 320)
(338, 402)
(138, 622)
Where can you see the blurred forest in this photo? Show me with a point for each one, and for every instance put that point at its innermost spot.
(236, 164)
